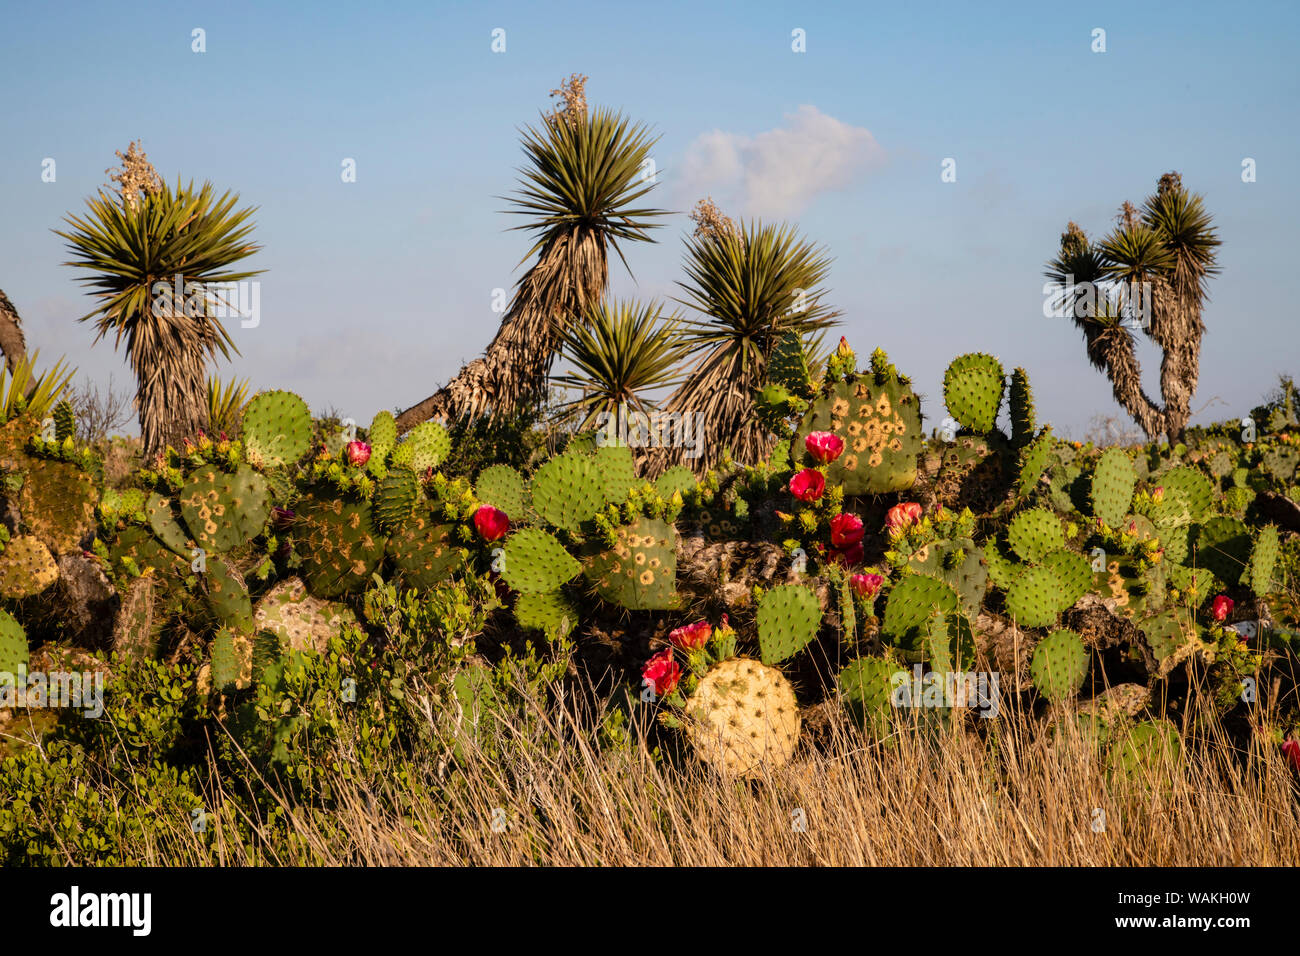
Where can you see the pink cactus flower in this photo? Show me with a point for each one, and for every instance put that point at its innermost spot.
(824, 446)
(663, 672)
(358, 453)
(691, 636)
(846, 530)
(492, 523)
(866, 585)
(808, 485)
(1221, 607)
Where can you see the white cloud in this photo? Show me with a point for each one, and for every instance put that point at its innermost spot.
(778, 172)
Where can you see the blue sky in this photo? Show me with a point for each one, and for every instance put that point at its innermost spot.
(377, 290)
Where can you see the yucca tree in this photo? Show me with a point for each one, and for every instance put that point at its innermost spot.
(752, 285)
(584, 175)
(12, 341)
(136, 244)
(1170, 245)
(621, 351)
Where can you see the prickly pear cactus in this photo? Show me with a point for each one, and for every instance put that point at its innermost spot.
(232, 660)
(788, 620)
(568, 490)
(640, 571)
(1263, 559)
(1034, 460)
(972, 390)
(617, 468)
(790, 367)
(1033, 534)
(743, 718)
(1112, 486)
(501, 487)
(1192, 493)
(1223, 546)
(302, 622)
(65, 421)
(1060, 665)
(911, 601)
(1036, 598)
(423, 549)
(276, 429)
(879, 419)
(534, 562)
(162, 519)
(1021, 400)
(425, 446)
(676, 480)
(867, 688)
(1148, 753)
(549, 612)
(382, 435)
(961, 565)
(338, 542)
(224, 510)
(57, 503)
(26, 568)
(14, 654)
(395, 498)
(1073, 570)
(227, 594)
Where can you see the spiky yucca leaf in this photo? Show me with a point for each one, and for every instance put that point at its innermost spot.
(134, 251)
(26, 391)
(621, 352)
(226, 406)
(752, 286)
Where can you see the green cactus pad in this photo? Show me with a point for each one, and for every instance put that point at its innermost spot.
(424, 551)
(65, 421)
(276, 429)
(1034, 461)
(1036, 598)
(1003, 570)
(678, 478)
(617, 467)
(338, 542)
(911, 601)
(880, 423)
(1060, 665)
(972, 390)
(382, 435)
(568, 490)
(425, 446)
(223, 510)
(232, 660)
(790, 366)
(143, 551)
(1073, 570)
(788, 620)
(1263, 560)
(1171, 636)
(57, 502)
(640, 571)
(395, 498)
(162, 519)
(1280, 463)
(501, 487)
(301, 622)
(1112, 486)
(226, 594)
(549, 612)
(961, 565)
(26, 568)
(14, 653)
(1223, 546)
(1191, 487)
(1148, 753)
(535, 562)
(867, 688)
(1021, 399)
(1034, 533)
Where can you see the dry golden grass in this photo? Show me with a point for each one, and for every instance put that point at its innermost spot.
(1017, 797)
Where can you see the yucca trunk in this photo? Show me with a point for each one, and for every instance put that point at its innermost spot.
(1111, 350)
(12, 342)
(571, 272)
(169, 357)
